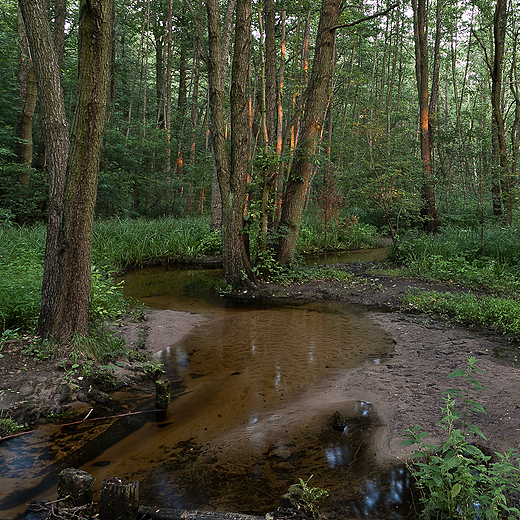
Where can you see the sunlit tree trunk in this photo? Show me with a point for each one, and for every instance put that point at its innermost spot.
(429, 210)
(316, 98)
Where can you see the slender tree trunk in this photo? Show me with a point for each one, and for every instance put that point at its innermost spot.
(500, 177)
(224, 43)
(316, 97)
(27, 92)
(429, 210)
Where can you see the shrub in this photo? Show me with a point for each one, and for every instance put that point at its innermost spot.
(456, 480)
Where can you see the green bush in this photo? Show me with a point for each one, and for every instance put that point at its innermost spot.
(455, 479)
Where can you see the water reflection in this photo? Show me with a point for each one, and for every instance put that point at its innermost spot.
(248, 415)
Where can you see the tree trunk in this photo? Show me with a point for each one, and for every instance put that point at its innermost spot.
(56, 137)
(27, 91)
(232, 178)
(500, 175)
(429, 211)
(316, 97)
(83, 167)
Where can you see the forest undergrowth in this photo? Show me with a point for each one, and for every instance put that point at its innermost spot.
(485, 261)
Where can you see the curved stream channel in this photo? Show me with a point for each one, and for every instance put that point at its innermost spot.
(248, 415)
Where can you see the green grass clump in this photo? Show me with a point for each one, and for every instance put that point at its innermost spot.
(121, 243)
(343, 234)
(298, 274)
(468, 309)
(478, 258)
(8, 426)
(21, 265)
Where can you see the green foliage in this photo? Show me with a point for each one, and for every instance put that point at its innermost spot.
(121, 243)
(8, 426)
(211, 244)
(107, 302)
(25, 204)
(99, 346)
(456, 480)
(487, 311)
(488, 256)
(286, 275)
(21, 265)
(343, 234)
(303, 497)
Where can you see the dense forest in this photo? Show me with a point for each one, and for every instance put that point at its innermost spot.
(363, 118)
(143, 132)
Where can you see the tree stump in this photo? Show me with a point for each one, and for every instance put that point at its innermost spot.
(162, 394)
(75, 488)
(119, 501)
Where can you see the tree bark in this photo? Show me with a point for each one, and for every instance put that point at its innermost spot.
(500, 175)
(232, 175)
(56, 137)
(27, 91)
(429, 210)
(316, 97)
(83, 167)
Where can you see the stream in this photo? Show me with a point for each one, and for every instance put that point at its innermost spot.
(248, 415)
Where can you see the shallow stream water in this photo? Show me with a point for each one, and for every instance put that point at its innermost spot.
(247, 417)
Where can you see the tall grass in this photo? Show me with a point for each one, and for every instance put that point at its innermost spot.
(501, 314)
(343, 234)
(488, 257)
(122, 243)
(21, 268)
(117, 244)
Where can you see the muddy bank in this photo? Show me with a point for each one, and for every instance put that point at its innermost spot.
(34, 386)
(406, 389)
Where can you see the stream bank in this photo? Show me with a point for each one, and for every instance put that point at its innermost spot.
(405, 388)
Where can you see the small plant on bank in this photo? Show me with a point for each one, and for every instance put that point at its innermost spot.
(8, 426)
(456, 480)
(303, 497)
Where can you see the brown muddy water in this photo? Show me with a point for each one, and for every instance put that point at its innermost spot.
(247, 419)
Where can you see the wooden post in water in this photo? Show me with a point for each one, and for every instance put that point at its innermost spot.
(75, 488)
(119, 500)
(162, 394)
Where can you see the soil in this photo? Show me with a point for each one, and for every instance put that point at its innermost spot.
(406, 388)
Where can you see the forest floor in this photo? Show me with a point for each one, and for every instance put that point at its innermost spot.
(406, 388)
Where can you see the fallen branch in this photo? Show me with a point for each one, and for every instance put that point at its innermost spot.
(85, 420)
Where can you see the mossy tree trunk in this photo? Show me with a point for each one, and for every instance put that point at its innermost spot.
(83, 166)
(231, 171)
(56, 138)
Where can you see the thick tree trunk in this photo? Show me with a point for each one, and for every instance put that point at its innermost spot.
(232, 177)
(316, 97)
(56, 139)
(83, 166)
